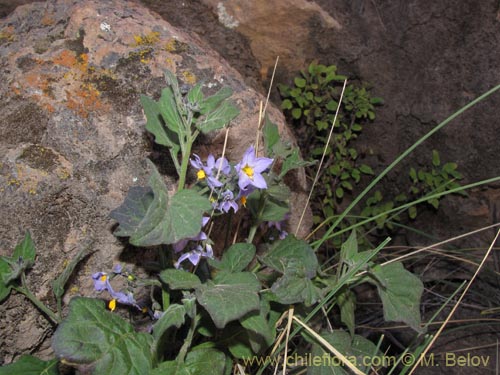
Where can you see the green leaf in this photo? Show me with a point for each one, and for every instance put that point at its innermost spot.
(288, 253)
(400, 291)
(59, 283)
(339, 192)
(412, 212)
(5, 272)
(133, 210)
(349, 248)
(170, 113)
(212, 102)
(155, 124)
(292, 288)
(229, 297)
(287, 104)
(179, 279)
(273, 209)
(217, 118)
(261, 335)
(92, 336)
(357, 349)
(296, 113)
(366, 169)
(198, 362)
(435, 158)
(237, 257)
(173, 317)
(293, 161)
(29, 365)
(195, 96)
(347, 304)
(299, 82)
(271, 136)
(25, 251)
(165, 221)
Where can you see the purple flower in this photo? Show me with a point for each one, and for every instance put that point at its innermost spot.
(101, 281)
(228, 202)
(195, 255)
(179, 246)
(250, 169)
(207, 172)
(118, 269)
(124, 298)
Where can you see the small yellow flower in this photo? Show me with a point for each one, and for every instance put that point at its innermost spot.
(104, 278)
(112, 304)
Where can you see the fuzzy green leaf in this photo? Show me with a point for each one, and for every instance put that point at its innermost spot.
(366, 169)
(5, 272)
(351, 347)
(29, 365)
(212, 102)
(400, 291)
(292, 288)
(288, 253)
(179, 279)
(261, 335)
(271, 136)
(133, 210)
(300, 82)
(166, 221)
(296, 113)
(293, 161)
(218, 118)
(347, 304)
(91, 335)
(229, 297)
(237, 257)
(173, 317)
(198, 362)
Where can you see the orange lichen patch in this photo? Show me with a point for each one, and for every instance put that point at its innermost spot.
(189, 77)
(148, 39)
(68, 59)
(84, 100)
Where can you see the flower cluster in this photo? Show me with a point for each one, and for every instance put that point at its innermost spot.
(232, 184)
(229, 186)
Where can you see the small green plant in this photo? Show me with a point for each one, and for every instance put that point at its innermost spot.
(312, 103)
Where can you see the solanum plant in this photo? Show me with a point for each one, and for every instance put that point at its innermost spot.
(212, 305)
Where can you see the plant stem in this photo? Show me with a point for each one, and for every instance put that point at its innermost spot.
(186, 152)
(188, 340)
(23, 289)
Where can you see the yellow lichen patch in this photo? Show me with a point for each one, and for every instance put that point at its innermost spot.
(63, 174)
(189, 77)
(7, 35)
(74, 290)
(174, 46)
(148, 39)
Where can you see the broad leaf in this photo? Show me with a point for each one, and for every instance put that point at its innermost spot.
(290, 289)
(93, 336)
(349, 249)
(400, 291)
(260, 333)
(170, 114)
(22, 259)
(347, 304)
(29, 365)
(179, 279)
(271, 136)
(273, 210)
(294, 161)
(218, 118)
(195, 96)
(5, 272)
(236, 258)
(212, 102)
(172, 317)
(133, 210)
(59, 283)
(356, 349)
(166, 221)
(229, 297)
(292, 251)
(156, 126)
(198, 362)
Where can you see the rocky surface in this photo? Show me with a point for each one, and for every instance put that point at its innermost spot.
(72, 136)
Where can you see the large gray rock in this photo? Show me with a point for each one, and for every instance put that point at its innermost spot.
(72, 135)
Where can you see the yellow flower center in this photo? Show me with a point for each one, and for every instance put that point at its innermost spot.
(201, 174)
(248, 171)
(104, 278)
(112, 304)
